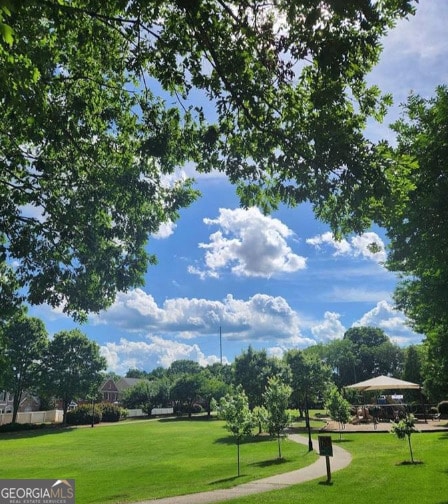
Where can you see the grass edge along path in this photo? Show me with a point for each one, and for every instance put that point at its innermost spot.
(380, 472)
(341, 459)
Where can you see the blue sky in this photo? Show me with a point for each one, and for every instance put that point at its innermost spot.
(275, 282)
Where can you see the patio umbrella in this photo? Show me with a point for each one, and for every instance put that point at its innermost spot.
(384, 383)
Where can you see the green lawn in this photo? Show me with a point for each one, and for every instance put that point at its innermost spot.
(139, 460)
(377, 474)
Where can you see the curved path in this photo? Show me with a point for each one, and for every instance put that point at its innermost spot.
(341, 458)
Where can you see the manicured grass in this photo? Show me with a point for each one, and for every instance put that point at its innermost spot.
(377, 474)
(141, 460)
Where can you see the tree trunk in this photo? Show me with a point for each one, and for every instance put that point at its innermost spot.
(279, 446)
(410, 449)
(15, 406)
(238, 454)
(65, 404)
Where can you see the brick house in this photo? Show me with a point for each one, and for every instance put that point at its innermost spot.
(112, 390)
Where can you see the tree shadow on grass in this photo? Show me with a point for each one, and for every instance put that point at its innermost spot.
(33, 433)
(250, 440)
(409, 462)
(185, 418)
(226, 480)
(270, 462)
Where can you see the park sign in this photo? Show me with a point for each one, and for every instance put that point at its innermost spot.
(326, 450)
(37, 491)
(325, 446)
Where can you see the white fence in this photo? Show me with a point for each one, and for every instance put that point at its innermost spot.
(162, 411)
(135, 413)
(55, 416)
(155, 411)
(35, 417)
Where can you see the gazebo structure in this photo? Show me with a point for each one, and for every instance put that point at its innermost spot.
(386, 383)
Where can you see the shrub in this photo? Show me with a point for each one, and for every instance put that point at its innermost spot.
(18, 427)
(82, 415)
(442, 408)
(196, 408)
(110, 412)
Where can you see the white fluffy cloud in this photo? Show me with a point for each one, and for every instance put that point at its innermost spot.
(248, 244)
(151, 352)
(329, 329)
(393, 323)
(368, 245)
(165, 230)
(261, 317)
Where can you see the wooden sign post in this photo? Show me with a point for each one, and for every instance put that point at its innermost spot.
(326, 450)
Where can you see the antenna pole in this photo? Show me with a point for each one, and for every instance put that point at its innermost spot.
(220, 344)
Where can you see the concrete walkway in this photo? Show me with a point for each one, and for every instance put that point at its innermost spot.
(341, 458)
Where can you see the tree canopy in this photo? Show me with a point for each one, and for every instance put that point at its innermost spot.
(310, 378)
(276, 397)
(373, 354)
(101, 101)
(24, 343)
(416, 216)
(234, 409)
(252, 370)
(73, 367)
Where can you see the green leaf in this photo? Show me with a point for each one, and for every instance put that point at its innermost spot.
(6, 32)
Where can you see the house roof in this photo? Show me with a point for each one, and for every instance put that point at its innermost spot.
(384, 383)
(125, 383)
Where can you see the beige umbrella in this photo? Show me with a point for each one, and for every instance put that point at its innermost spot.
(387, 383)
(384, 383)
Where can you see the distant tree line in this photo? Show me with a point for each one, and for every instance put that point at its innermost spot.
(69, 367)
(363, 352)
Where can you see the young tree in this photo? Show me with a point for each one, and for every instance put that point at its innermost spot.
(338, 408)
(90, 129)
(276, 399)
(24, 343)
(404, 429)
(234, 409)
(72, 366)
